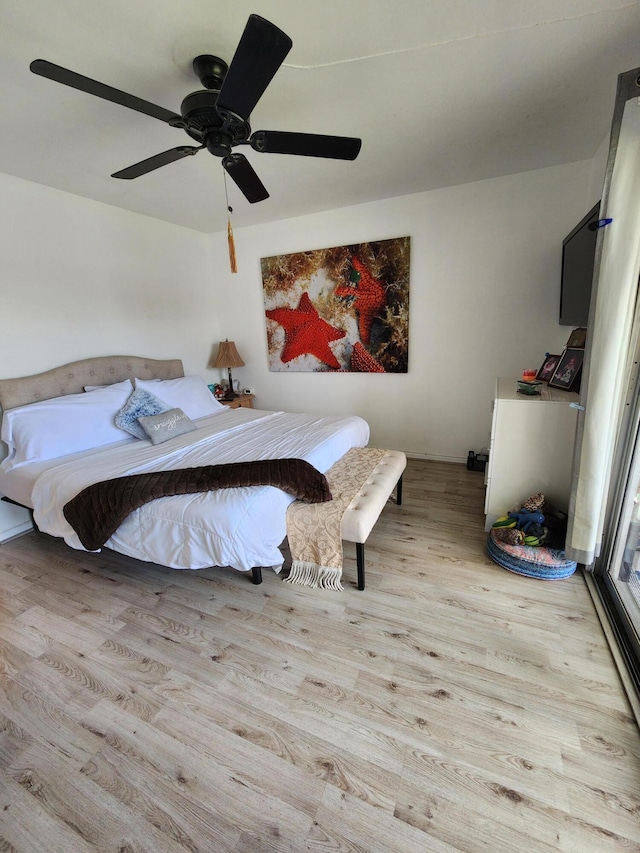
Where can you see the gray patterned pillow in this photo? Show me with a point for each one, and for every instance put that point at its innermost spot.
(166, 425)
(141, 403)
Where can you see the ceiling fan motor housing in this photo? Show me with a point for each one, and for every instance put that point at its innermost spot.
(217, 130)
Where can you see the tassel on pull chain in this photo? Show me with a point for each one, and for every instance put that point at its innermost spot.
(232, 246)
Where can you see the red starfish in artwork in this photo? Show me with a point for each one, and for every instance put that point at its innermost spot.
(305, 332)
(363, 362)
(368, 297)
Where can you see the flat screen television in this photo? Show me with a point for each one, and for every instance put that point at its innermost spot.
(578, 255)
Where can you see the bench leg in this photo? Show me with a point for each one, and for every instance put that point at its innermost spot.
(399, 491)
(256, 575)
(360, 561)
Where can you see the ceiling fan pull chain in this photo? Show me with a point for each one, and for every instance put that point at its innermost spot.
(232, 246)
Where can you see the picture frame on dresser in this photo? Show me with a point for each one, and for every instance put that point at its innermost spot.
(548, 367)
(567, 374)
(577, 338)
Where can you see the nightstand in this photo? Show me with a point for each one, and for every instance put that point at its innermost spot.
(244, 401)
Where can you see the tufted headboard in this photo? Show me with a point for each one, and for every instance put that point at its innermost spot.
(71, 378)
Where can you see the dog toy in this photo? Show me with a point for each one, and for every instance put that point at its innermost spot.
(504, 521)
(534, 503)
(526, 520)
(509, 535)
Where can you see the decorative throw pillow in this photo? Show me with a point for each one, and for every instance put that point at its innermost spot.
(166, 425)
(140, 404)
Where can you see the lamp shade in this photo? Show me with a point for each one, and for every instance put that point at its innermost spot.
(228, 356)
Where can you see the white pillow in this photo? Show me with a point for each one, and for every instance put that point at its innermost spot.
(189, 393)
(126, 383)
(62, 425)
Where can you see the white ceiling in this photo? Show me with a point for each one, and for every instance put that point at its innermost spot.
(441, 92)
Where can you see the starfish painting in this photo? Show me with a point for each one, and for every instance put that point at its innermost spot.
(305, 332)
(340, 309)
(366, 294)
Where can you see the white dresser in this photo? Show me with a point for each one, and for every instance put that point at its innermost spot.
(531, 448)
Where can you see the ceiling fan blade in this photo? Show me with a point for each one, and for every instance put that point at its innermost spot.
(157, 161)
(241, 171)
(306, 144)
(260, 52)
(100, 90)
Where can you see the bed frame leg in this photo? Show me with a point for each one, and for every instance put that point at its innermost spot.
(399, 491)
(360, 561)
(256, 575)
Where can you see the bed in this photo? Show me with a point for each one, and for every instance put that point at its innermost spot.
(61, 438)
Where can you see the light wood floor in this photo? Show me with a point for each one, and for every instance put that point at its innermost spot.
(451, 706)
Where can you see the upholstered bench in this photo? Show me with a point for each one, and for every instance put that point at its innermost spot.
(363, 500)
(365, 507)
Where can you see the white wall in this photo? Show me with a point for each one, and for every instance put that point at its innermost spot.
(81, 278)
(484, 298)
(84, 279)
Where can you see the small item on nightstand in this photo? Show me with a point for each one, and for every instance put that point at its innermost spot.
(217, 391)
(530, 389)
(529, 375)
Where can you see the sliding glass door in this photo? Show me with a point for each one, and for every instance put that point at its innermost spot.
(617, 570)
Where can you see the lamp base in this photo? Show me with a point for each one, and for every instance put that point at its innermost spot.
(229, 395)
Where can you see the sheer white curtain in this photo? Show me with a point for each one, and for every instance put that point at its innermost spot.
(612, 330)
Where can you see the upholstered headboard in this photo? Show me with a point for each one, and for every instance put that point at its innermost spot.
(71, 378)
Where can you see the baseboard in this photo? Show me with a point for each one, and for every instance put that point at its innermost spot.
(458, 460)
(15, 531)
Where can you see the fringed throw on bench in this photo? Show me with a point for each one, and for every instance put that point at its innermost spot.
(97, 511)
(314, 530)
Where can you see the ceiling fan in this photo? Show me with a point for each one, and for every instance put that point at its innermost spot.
(217, 117)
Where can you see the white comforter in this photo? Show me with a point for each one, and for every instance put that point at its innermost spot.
(242, 527)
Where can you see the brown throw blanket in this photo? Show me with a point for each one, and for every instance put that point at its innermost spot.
(97, 511)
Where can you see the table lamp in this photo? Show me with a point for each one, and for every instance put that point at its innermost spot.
(228, 357)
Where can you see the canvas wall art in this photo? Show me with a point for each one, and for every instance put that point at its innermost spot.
(343, 309)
